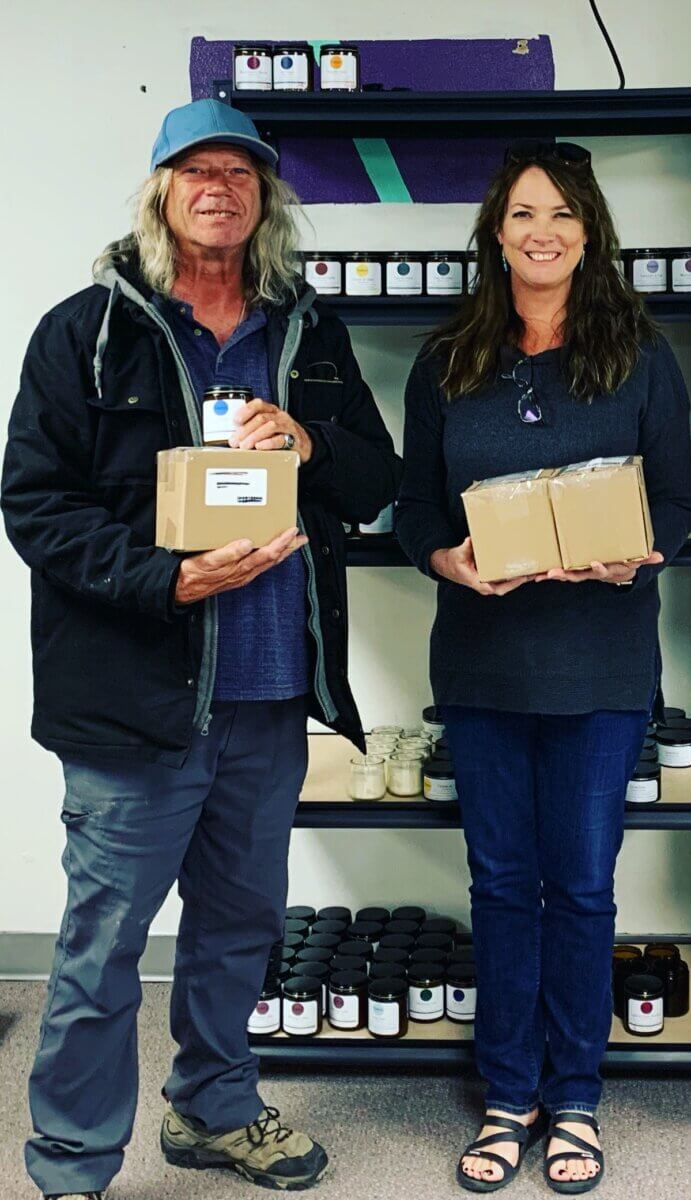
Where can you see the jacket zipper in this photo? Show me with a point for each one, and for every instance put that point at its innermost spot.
(288, 356)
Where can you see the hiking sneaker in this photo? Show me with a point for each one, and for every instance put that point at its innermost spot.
(266, 1151)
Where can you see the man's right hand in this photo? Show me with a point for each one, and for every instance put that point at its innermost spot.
(458, 565)
(231, 566)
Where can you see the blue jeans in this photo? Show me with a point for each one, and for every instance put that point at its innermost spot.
(542, 799)
(221, 827)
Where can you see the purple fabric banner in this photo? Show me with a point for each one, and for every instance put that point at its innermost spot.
(434, 170)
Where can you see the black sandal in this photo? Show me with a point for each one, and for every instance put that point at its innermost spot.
(525, 1135)
(573, 1187)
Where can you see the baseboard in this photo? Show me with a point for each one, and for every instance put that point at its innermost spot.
(30, 956)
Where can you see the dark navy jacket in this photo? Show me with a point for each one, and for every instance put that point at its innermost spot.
(120, 671)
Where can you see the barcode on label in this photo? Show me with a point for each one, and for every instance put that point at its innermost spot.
(249, 499)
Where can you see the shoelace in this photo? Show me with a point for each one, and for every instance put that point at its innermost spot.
(268, 1126)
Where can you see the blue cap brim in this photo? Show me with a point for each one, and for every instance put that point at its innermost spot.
(254, 145)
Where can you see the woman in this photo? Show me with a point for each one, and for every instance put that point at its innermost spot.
(546, 687)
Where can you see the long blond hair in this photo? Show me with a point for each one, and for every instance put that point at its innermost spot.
(270, 268)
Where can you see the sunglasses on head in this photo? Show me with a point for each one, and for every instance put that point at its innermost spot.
(535, 151)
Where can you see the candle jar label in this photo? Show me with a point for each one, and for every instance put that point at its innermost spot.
(404, 278)
(253, 71)
(363, 279)
(650, 274)
(324, 276)
(344, 1011)
(219, 418)
(426, 1003)
(681, 275)
(642, 791)
(383, 1017)
(460, 1002)
(444, 279)
(300, 1016)
(440, 789)
(266, 1017)
(645, 1016)
(674, 756)
(291, 71)
(339, 71)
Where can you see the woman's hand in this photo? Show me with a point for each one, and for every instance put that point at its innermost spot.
(616, 572)
(458, 565)
(262, 427)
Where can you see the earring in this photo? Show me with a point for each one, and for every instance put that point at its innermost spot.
(504, 263)
(582, 262)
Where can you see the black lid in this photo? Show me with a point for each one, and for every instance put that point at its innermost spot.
(288, 955)
(433, 256)
(315, 954)
(294, 940)
(646, 770)
(623, 951)
(438, 925)
(410, 927)
(325, 256)
(348, 981)
(335, 913)
(280, 972)
(464, 953)
(406, 255)
(356, 949)
(270, 989)
(409, 912)
(328, 927)
(291, 47)
(390, 954)
(437, 767)
(339, 48)
(346, 962)
(442, 743)
(315, 970)
(648, 754)
(674, 712)
(253, 47)
(227, 389)
(471, 255)
(674, 737)
(328, 941)
(400, 941)
(674, 723)
(644, 985)
(435, 941)
(425, 973)
(654, 252)
(387, 970)
(292, 926)
(367, 930)
(426, 955)
(364, 255)
(649, 742)
(460, 972)
(301, 912)
(433, 713)
(299, 986)
(380, 915)
(387, 989)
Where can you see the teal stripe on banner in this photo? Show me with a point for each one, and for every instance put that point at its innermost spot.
(383, 171)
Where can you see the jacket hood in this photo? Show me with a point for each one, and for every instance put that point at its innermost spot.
(118, 269)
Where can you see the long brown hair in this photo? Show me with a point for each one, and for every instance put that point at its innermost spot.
(605, 321)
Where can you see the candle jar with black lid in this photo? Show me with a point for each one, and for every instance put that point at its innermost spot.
(315, 970)
(315, 954)
(293, 67)
(409, 912)
(294, 941)
(664, 960)
(387, 1010)
(324, 941)
(389, 970)
(426, 991)
(461, 991)
(644, 1005)
(390, 954)
(301, 912)
(398, 941)
(645, 786)
(408, 927)
(348, 1000)
(626, 960)
(322, 926)
(380, 915)
(302, 1009)
(266, 1015)
(356, 948)
(335, 912)
(365, 931)
(436, 941)
(339, 67)
(292, 926)
(252, 67)
(439, 925)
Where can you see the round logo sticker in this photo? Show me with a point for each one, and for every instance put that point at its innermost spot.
(646, 1007)
(336, 62)
(297, 1009)
(286, 62)
(652, 265)
(403, 269)
(253, 62)
(443, 269)
(220, 408)
(458, 995)
(262, 1008)
(425, 994)
(362, 270)
(321, 268)
(338, 1002)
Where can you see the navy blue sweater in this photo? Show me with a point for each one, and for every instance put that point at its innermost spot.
(548, 647)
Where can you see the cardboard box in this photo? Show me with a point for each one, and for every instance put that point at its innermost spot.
(511, 523)
(601, 512)
(210, 495)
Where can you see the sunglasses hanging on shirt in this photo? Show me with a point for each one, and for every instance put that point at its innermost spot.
(533, 150)
(528, 407)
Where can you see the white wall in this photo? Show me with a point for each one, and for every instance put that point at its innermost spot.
(76, 146)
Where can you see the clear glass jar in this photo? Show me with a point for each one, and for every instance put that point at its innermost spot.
(403, 751)
(381, 747)
(386, 731)
(367, 777)
(414, 731)
(404, 776)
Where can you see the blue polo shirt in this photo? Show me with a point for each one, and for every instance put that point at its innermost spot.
(263, 650)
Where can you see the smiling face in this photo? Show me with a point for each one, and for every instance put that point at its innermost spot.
(214, 199)
(541, 237)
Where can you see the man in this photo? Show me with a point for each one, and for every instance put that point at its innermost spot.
(176, 690)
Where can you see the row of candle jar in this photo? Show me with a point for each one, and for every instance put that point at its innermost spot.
(382, 1000)
(648, 985)
(661, 270)
(667, 744)
(289, 67)
(396, 273)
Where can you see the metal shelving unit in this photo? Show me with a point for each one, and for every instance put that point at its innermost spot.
(462, 115)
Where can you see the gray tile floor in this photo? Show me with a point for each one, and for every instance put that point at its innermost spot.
(390, 1137)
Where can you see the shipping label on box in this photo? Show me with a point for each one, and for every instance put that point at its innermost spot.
(208, 496)
(601, 512)
(511, 525)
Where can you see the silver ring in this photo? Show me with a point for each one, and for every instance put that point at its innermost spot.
(288, 441)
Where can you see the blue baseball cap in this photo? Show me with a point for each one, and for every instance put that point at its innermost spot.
(207, 121)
